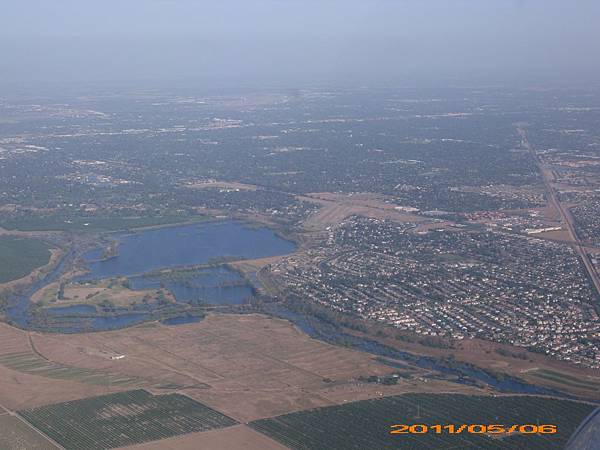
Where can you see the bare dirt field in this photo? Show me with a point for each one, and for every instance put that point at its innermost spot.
(334, 208)
(22, 387)
(17, 435)
(558, 235)
(246, 366)
(254, 265)
(549, 213)
(236, 437)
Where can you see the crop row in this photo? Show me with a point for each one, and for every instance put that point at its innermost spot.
(366, 424)
(124, 418)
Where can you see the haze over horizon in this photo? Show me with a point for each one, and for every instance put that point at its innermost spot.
(300, 224)
(292, 43)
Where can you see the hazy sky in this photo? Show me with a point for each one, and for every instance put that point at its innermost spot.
(294, 43)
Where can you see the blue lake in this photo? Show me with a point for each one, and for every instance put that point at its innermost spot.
(120, 321)
(210, 286)
(185, 245)
(73, 309)
(181, 320)
(151, 250)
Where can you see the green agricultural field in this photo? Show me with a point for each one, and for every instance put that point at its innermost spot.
(20, 256)
(366, 424)
(126, 418)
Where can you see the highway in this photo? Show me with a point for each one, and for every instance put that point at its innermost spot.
(565, 214)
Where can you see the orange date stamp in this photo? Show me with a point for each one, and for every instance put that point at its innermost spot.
(476, 428)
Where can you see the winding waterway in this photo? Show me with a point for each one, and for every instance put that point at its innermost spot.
(139, 255)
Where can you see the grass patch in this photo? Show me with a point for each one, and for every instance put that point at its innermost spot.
(20, 256)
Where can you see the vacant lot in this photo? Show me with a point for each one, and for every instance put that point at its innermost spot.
(334, 208)
(237, 437)
(17, 435)
(20, 256)
(125, 418)
(30, 362)
(366, 424)
(247, 366)
(28, 379)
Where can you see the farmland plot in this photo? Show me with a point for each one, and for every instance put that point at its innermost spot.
(31, 363)
(366, 424)
(121, 419)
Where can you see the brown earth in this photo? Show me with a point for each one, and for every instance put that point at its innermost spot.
(246, 366)
(15, 434)
(19, 390)
(239, 437)
(254, 265)
(558, 235)
(334, 208)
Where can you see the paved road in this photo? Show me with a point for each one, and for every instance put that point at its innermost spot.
(565, 214)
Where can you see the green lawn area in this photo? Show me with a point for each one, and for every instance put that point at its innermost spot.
(19, 256)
